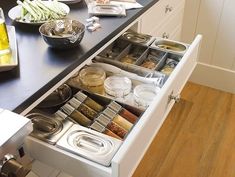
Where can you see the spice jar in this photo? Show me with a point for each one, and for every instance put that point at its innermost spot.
(84, 109)
(112, 126)
(88, 101)
(76, 115)
(100, 128)
(117, 119)
(92, 78)
(123, 112)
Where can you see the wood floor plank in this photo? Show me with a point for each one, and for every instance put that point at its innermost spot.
(197, 139)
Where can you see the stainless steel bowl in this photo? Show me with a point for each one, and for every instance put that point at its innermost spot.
(62, 34)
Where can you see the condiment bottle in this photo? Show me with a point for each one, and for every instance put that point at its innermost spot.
(112, 126)
(117, 119)
(76, 115)
(88, 101)
(123, 112)
(100, 128)
(84, 109)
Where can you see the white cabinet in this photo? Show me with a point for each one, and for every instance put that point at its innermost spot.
(138, 140)
(214, 19)
(164, 19)
(133, 148)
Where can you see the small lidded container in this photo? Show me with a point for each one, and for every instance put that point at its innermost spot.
(84, 109)
(88, 101)
(117, 86)
(92, 78)
(122, 122)
(112, 126)
(100, 128)
(75, 115)
(123, 112)
(145, 93)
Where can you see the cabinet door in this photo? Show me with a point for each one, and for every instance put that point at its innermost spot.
(133, 148)
(224, 53)
(159, 14)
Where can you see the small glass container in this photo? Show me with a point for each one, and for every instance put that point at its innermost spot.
(145, 93)
(112, 126)
(88, 101)
(122, 122)
(92, 78)
(117, 86)
(100, 128)
(75, 115)
(84, 109)
(123, 112)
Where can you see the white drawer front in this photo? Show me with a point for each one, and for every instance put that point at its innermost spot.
(168, 29)
(158, 14)
(133, 148)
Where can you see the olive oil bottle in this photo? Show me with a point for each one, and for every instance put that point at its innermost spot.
(4, 40)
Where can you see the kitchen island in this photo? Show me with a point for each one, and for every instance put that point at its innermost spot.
(41, 67)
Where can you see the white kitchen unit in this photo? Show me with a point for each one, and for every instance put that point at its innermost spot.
(214, 20)
(134, 146)
(167, 23)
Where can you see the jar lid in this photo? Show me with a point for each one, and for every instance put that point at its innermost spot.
(145, 93)
(117, 86)
(92, 76)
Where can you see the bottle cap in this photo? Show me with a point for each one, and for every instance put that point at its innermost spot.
(109, 113)
(67, 109)
(80, 96)
(115, 106)
(74, 102)
(60, 114)
(97, 126)
(104, 120)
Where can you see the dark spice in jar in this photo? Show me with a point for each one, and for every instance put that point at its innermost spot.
(84, 109)
(88, 101)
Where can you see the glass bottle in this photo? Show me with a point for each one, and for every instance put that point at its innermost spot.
(84, 109)
(100, 128)
(4, 40)
(117, 119)
(123, 112)
(76, 115)
(112, 126)
(88, 101)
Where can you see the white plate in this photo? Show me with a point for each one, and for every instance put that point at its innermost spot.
(12, 57)
(14, 13)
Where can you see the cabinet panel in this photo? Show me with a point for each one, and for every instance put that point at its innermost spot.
(224, 53)
(208, 22)
(168, 29)
(159, 14)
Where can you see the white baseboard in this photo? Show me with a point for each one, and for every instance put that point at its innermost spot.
(215, 77)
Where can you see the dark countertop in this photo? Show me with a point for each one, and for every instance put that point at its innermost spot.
(41, 67)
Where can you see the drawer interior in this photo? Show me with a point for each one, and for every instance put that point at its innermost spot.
(111, 108)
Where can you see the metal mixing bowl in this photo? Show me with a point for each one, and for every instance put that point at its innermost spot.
(62, 34)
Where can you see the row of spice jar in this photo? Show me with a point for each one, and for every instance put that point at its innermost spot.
(112, 120)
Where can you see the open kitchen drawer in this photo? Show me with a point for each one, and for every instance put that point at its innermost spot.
(136, 143)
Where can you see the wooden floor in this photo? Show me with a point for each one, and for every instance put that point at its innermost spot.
(196, 140)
